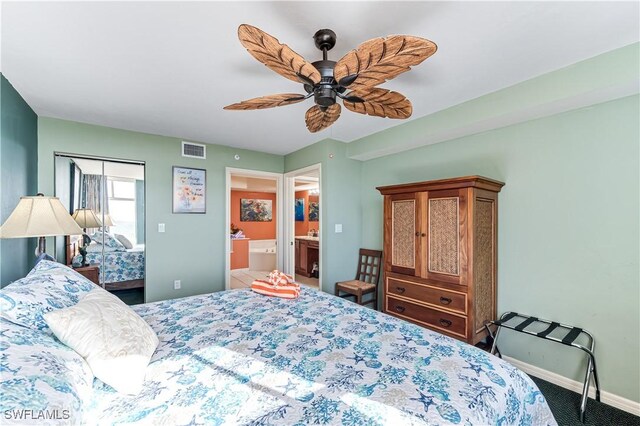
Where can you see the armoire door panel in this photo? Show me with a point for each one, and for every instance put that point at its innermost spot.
(484, 257)
(446, 236)
(403, 233)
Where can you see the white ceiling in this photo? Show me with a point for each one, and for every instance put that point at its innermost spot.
(169, 67)
(246, 183)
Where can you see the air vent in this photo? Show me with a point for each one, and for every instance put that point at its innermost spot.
(194, 150)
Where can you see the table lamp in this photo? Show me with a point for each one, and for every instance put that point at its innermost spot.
(86, 218)
(39, 217)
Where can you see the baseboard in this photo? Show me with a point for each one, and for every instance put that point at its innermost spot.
(555, 378)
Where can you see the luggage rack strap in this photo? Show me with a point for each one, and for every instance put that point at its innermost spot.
(549, 329)
(506, 317)
(571, 335)
(524, 324)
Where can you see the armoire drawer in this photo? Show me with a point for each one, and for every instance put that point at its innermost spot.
(433, 318)
(427, 294)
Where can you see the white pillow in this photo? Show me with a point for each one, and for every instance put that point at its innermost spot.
(114, 340)
(124, 241)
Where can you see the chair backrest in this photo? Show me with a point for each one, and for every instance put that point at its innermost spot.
(369, 265)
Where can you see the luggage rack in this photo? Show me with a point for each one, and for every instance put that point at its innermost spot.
(568, 339)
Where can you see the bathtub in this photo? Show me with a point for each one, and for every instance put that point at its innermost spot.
(262, 255)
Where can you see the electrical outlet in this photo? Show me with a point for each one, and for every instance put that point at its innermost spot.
(177, 284)
(161, 227)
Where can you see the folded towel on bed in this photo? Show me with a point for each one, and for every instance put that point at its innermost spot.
(278, 285)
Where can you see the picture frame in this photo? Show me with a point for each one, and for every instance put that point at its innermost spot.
(255, 210)
(189, 190)
(299, 210)
(314, 211)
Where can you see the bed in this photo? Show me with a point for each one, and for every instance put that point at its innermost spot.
(236, 357)
(123, 269)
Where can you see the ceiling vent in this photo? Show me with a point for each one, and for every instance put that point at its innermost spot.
(194, 150)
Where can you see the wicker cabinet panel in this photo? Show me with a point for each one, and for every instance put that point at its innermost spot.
(404, 225)
(400, 233)
(483, 261)
(444, 236)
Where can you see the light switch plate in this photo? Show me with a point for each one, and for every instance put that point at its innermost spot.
(161, 227)
(338, 228)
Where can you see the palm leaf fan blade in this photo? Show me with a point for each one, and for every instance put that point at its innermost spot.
(275, 55)
(264, 102)
(317, 119)
(381, 59)
(380, 103)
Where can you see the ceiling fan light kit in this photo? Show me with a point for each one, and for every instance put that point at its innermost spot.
(359, 71)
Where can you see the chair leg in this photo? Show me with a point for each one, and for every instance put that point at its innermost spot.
(359, 298)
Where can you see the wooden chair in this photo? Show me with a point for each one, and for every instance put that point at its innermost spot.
(369, 265)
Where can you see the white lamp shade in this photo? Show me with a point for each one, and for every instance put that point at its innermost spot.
(107, 220)
(86, 218)
(39, 217)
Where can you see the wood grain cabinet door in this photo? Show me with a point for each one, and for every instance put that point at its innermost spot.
(444, 251)
(402, 233)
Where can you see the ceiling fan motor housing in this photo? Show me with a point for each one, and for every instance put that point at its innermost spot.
(324, 93)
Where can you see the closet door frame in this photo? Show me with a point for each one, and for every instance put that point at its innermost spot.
(104, 160)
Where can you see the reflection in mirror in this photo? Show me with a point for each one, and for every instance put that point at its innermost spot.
(106, 198)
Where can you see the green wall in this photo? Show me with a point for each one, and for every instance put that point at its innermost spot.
(340, 186)
(192, 248)
(568, 228)
(18, 175)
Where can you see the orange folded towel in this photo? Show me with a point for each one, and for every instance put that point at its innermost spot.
(278, 285)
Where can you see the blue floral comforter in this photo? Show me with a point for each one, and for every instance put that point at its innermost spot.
(118, 266)
(237, 357)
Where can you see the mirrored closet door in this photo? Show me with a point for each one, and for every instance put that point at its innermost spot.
(106, 199)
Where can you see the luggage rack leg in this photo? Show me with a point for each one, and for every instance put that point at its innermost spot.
(568, 339)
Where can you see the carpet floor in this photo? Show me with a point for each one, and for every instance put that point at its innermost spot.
(565, 406)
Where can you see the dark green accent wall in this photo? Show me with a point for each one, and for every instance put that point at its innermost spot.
(18, 176)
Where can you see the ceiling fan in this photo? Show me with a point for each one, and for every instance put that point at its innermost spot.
(359, 71)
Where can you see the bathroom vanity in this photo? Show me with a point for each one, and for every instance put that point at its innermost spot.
(307, 253)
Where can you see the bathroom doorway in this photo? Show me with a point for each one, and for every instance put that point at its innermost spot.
(253, 226)
(303, 225)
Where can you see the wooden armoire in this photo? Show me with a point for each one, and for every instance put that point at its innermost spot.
(440, 249)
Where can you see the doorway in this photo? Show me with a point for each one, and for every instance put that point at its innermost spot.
(253, 226)
(107, 199)
(303, 222)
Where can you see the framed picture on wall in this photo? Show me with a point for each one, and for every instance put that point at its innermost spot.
(189, 190)
(299, 210)
(253, 210)
(314, 211)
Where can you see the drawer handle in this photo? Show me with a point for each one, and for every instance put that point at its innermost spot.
(445, 323)
(417, 233)
(400, 289)
(400, 309)
(445, 300)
